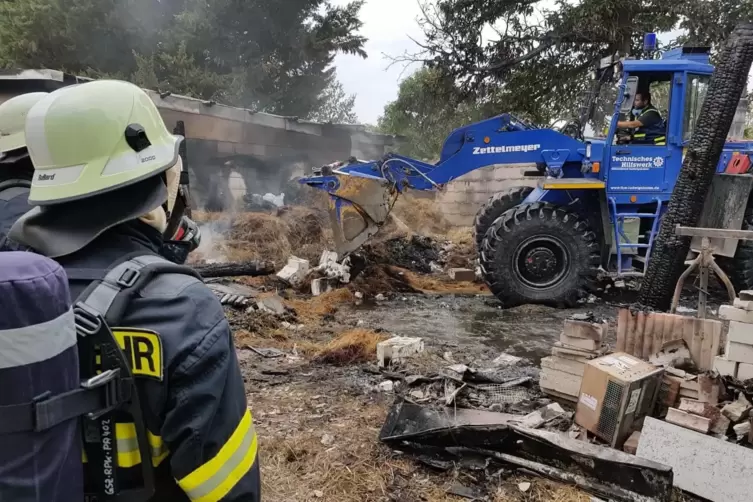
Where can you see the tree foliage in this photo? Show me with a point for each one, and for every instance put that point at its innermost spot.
(428, 107)
(263, 55)
(335, 106)
(536, 60)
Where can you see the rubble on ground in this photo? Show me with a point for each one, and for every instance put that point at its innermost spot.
(701, 390)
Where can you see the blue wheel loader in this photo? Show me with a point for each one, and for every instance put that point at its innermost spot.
(601, 190)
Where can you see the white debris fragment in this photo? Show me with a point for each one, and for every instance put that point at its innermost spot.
(360, 323)
(277, 200)
(271, 304)
(397, 349)
(386, 386)
(685, 310)
(327, 440)
(320, 286)
(506, 360)
(327, 257)
(460, 369)
(435, 267)
(358, 295)
(295, 271)
(380, 297)
(524, 487)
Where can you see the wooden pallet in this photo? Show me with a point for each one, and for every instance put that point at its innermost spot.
(643, 334)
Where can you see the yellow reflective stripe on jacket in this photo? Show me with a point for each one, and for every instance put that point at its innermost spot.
(213, 480)
(128, 446)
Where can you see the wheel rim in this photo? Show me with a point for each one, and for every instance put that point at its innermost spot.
(541, 261)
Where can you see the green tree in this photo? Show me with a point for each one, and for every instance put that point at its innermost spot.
(263, 55)
(428, 107)
(335, 106)
(539, 58)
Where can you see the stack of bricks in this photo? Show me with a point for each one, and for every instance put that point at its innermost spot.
(562, 372)
(737, 360)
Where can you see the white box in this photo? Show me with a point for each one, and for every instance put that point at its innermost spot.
(744, 371)
(740, 332)
(579, 343)
(739, 352)
(725, 366)
(559, 381)
(730, 313)
(743, 304)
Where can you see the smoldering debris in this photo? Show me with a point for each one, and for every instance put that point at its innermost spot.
(460, 436)
(415, 253)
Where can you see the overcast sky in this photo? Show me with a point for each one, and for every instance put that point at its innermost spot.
(387, 24)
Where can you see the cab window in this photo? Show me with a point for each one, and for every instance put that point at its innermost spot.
(695, 93)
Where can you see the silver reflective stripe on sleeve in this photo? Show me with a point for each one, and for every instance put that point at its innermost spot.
(36, 343)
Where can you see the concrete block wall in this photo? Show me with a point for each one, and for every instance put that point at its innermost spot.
(231, 150)
(462, 198)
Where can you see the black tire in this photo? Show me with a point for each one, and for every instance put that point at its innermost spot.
(565, 248)
(493, 209)
(740, 268)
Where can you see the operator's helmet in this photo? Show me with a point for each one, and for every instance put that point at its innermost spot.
(12, 119)
(94, 138)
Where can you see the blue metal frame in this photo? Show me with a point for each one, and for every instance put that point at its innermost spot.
(504, 139)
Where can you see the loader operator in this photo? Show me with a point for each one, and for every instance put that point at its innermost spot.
(647, 122)
(105, 183)
(15, 166)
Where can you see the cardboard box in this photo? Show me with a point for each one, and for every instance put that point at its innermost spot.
(618, 390)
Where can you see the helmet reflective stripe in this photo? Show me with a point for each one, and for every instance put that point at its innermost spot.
(93, 138)
(12, 118)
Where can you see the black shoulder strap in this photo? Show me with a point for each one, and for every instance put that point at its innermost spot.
(110, 295)
(104, 302)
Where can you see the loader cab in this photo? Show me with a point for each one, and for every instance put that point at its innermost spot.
(639, 171)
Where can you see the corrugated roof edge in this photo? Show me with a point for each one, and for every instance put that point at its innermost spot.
(187, 104)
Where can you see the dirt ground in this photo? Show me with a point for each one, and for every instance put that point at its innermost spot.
(315, 400)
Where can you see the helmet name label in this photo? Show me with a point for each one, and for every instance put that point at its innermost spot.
(485, 150)
(147, 159)
(45, 177)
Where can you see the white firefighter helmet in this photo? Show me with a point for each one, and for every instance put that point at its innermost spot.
(94, 138)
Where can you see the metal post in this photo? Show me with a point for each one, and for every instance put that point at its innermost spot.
(706, 260)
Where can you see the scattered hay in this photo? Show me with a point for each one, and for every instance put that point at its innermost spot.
(443, 284)
(314, 309)
(296, 466)
(257, 321)
(422, 215)
(297, 230)
(354, 346)
(542, 490)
